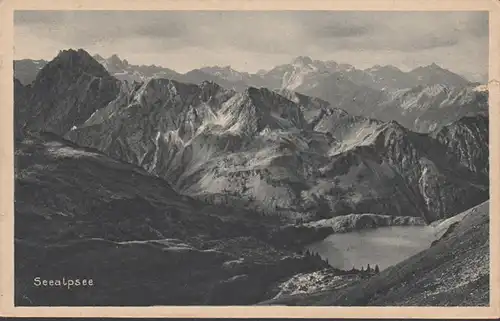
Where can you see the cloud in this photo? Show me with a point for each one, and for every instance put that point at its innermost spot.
(253, 40)
(341, 31)
(401, 31)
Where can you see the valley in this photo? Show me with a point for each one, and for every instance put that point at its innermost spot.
(201, 186)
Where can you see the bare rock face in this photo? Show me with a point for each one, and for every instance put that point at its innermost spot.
(427, 108)
(68, 90)
(409, 174)
(422, 108)
(421, 99)
(280, 153)
(355, 222)
(21, 108)
(123, 185)
(467, 139)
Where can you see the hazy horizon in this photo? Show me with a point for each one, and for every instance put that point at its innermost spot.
(249, 41)
(93, 54)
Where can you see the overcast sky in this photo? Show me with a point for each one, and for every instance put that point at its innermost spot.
(249, 41)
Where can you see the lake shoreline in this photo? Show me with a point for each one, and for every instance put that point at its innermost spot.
(382, 246)
(361, 239)
(356, 222)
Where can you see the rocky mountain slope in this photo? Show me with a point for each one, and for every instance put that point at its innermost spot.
(420, 99)
(67, 91)
(25, 70)
(224, 76)
(125, 228)
(81, 214)
(122, 70)
(288, 154)
(454, 271)
(422, 108)
(21, 107)
(304, 73)
(118, 180)
(301, 74)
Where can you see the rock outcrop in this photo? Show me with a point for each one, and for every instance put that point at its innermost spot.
(288, 155)
(205, 190)
(67, 91)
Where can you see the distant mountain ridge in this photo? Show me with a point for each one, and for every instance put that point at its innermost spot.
(25, 70)
(287, 154)
(203, 189)
(419, 99)
(300, 71)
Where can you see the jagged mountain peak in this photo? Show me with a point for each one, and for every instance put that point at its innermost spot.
(431, 67)
(69, 89)
(395, 135)
(468, 139)
(394, 126)
(209, 83)
(254, 90)
(79, 61)
(478, 121)
(379, 68)
(258, 108)
(211, 141)
(302, 60)
(225, 73)
(265, 93)
(296, 96)
(154, 89)
(72, 55)
(115, 60)
(114, 57)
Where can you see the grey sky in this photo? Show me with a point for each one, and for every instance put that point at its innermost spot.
(249, 41)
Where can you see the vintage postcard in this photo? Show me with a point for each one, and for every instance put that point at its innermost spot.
(250, 158)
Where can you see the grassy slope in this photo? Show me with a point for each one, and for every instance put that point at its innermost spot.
(80, 214)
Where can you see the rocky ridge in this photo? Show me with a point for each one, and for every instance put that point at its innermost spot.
(420, 99)
(252, 152)
(288, 155)
(67, 91)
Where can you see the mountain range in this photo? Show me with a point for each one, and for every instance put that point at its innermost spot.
(297, 158)
(183, 147)
(415, 98)
(301, 74)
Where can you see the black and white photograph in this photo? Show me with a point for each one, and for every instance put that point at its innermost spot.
(251, 158)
